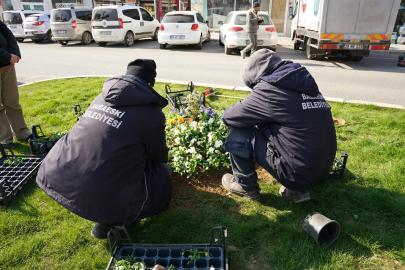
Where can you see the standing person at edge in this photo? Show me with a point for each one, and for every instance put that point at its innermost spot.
(111, 167)
(285, 125)
(12, 122)
(252, 25)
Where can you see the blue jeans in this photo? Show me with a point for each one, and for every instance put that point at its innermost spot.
(253, 147)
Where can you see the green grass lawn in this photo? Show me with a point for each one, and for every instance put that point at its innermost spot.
(368, 202)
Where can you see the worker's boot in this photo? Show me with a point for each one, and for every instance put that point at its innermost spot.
(229, 182)
(293, 196)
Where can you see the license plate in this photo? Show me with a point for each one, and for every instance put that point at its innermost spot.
(29, 34)
(177, 37)
(61, 32)
(12, 26)
(353, 46)
(105, 32)
(259, 42)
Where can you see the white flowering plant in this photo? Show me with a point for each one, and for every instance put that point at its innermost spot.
(196, 143)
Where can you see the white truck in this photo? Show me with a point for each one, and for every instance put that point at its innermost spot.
(351, 28)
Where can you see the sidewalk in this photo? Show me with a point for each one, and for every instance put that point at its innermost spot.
(287, 42)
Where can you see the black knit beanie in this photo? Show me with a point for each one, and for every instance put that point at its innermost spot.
(144, 69)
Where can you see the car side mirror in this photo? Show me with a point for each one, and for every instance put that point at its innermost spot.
(220, 23)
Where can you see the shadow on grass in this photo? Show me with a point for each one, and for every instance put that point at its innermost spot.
(269, 234)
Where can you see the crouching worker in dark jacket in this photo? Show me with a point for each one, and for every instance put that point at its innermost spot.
(111, 168)
(285, 125)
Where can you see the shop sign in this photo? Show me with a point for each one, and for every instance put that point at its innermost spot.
(65, 5)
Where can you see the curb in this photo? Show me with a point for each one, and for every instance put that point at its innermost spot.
(230, 87)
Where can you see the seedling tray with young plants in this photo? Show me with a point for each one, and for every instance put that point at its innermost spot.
(178, 98)
(42, 144)
(128, 255)
(16, 173)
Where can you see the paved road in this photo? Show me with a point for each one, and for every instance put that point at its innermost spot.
(375, 79)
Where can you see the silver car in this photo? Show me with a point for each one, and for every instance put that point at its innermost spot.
(71, 24)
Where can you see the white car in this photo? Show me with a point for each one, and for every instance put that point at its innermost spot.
(232, 33)
(14, 21)
(124, 24)
(38, 27)
(183, 28)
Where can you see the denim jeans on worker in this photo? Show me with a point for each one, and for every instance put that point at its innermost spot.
(255, 148)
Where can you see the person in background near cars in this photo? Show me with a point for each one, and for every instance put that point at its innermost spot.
(285, 125)
(111, 167)
(12, 122)
(252, 25)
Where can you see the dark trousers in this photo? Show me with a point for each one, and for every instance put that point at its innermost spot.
(243, 163)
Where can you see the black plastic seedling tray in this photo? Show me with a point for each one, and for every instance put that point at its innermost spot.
(15, 178)
(39, 148)
(178, 98)
(121, 247)
(339, 165)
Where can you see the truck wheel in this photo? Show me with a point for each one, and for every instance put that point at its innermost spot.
(297, 45)
(358, 58)
(308, 51)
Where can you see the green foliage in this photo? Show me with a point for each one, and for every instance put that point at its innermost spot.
(194, 101)
(199, 143)
(13, 161)
(129, 263)
(52, 137)
(194, 255)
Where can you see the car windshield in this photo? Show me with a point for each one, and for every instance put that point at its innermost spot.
(12, 18)
(178, 18)
(32, 18)
(106, 14)
(61, 15)
(241, 19)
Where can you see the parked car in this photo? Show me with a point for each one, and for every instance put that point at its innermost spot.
(123, 24)
(38, 27)
(183, 28)
(14, 20)
(232, 33)
(71, 24)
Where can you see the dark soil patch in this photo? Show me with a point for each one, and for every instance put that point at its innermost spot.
(185, 189)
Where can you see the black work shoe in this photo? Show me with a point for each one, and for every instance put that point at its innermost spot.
(100, 231)
(229, 182)
(293, 196)
(8, 146)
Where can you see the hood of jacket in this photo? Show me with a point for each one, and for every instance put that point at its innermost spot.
(267, 66)
(128, 90)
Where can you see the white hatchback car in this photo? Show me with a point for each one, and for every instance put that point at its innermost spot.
(232, 33)
(38, 27)
(14, 20)
(183, 28)
(123, 24)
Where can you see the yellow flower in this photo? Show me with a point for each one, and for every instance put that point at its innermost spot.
(171, 121)
(180, 119)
